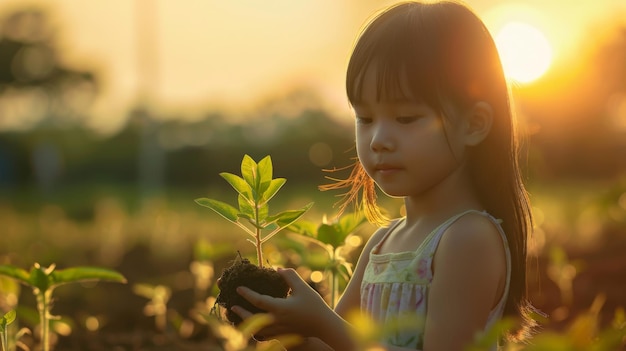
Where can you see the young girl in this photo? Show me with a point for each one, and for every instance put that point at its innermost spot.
(433, 126)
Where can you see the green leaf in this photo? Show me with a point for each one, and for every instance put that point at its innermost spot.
(306, 228)
(335, 234)
(239, 184)
(15, 273)
(273, 186)
(249, 171)
(263, 213)
(7, 319)
(84, 274)
(223, 209)
(349, 222)
(245, 208)
(285, 218)
(329, 235)
(10, 316)
(266, 171)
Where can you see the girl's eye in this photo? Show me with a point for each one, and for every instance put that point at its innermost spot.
(363, 120)
(407, 119)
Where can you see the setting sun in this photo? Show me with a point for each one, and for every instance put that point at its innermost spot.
(526, 53)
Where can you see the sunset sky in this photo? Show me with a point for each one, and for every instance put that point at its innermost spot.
(188, 57)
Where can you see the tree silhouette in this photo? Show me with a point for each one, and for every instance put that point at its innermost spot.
(31, 70)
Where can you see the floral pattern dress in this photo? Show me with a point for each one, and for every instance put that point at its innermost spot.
(394, 290)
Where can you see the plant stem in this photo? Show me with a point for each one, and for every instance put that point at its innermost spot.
(43, 306)
(333, 282)
(5, 341)
(259, 242)
(259, 252)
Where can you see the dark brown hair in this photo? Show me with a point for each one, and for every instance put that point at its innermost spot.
(448, 57)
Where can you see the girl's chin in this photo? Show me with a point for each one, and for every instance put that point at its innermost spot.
(394, 193)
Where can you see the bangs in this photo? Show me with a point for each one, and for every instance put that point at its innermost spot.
(394, 46)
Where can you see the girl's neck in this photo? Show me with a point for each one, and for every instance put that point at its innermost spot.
(453, 195)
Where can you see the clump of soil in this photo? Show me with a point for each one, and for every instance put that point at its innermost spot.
(263, 280)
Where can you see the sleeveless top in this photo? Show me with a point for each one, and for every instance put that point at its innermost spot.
(394, 290)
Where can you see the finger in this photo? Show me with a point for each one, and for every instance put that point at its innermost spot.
(293, 279)
(261, 301)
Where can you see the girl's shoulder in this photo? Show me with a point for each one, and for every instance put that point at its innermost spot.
(380, 234)
(473, 237)
(476, 221)
(474, 229)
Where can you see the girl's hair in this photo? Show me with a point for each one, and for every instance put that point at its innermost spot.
(447, 56)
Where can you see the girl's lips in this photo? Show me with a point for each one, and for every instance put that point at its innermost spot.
(386, 169)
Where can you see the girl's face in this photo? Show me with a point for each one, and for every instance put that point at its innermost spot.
(403, 144)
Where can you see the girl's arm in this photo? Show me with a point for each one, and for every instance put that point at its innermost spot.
(304, 312)
(469, 279)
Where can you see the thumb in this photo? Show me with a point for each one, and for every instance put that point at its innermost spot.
(292, 278)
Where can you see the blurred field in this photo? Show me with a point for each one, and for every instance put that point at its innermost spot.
(153, 243)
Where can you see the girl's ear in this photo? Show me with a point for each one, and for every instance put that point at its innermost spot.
(479, 121)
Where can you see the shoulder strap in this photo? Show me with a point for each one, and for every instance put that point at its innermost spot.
(435, 237)
(390, 229)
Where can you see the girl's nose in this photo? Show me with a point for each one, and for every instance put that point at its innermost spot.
(381, 139)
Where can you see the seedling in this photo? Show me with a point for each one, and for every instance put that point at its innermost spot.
(44, 280)
(7, 319)
(255, 188)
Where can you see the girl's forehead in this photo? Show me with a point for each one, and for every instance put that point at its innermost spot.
(376, 84)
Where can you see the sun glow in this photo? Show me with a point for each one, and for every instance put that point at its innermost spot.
(525, 52)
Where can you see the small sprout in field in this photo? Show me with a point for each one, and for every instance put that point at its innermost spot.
(43, 281)
(202, 268)
(332, 238)
(159, 296)
(203, 273)
(5, 321)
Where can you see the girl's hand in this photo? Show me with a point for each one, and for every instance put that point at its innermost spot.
(303, 312)
(298, 313)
